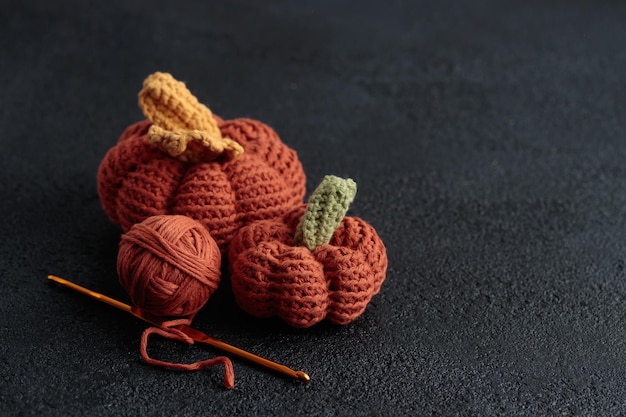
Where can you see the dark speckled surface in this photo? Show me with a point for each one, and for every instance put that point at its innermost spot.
(488, 140)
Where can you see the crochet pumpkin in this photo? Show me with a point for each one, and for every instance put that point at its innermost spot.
(184, 160)
(312, 264)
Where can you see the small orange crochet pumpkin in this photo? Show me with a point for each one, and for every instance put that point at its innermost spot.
(184, 160)
(312, 264)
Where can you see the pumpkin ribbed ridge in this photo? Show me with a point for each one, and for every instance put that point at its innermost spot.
(336, 281)
(137, 180)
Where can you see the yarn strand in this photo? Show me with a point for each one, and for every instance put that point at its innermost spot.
(169, 331)
(144, 236)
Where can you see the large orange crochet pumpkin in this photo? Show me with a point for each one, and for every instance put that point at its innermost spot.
(184, 160)
(312, 264)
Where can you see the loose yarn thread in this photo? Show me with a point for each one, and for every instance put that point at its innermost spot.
(170, 266)
(169, 331)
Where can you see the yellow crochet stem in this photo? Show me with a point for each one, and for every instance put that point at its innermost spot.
(168, 103)
(193, 145)
(182, 126)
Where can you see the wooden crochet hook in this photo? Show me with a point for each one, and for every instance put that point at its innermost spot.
(196, 335)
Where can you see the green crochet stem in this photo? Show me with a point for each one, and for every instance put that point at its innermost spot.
(326, 209)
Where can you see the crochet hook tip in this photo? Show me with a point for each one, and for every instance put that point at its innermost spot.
(303, 376)
(57, 280)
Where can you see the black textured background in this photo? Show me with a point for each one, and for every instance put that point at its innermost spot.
(488, 141)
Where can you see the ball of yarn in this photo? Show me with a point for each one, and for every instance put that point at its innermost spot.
(169, 265)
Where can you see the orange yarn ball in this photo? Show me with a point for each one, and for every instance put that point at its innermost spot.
(169, 265)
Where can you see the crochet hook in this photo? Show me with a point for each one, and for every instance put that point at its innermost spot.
(196, 335)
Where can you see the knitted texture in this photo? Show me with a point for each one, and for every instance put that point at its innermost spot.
(193, 145)
(137, 180)
(272, 276)
(327, 206)
(169, 104)
(183, 127)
